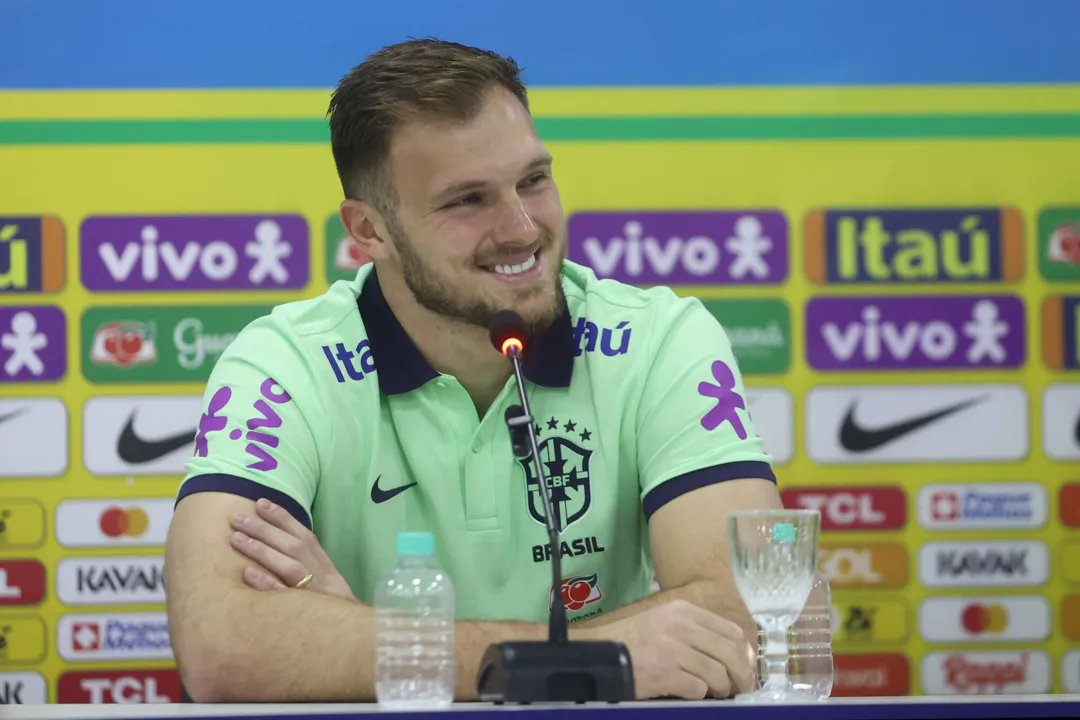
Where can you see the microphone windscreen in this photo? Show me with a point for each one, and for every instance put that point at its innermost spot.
(506, 324)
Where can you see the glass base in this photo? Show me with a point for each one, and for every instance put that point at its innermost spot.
(777, 694)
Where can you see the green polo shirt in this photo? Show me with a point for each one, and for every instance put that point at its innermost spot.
(327, 408)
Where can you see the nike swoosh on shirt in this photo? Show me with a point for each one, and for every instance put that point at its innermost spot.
(854, 438)
(12, 415)
(378, 495)
(135, 450)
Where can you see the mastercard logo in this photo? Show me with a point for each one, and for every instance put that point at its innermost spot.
(123, 522)
(978, 619)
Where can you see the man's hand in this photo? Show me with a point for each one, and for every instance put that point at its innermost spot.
(680, 650)
(286, 551)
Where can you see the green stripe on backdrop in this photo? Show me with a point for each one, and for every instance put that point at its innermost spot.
(566, 129)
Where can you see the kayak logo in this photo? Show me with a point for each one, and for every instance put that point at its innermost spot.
(878, 565)
(1059, 244)
(120, 687)
(23, 688)
(991, 506)
(119, 636)
(886, 333)
(111, 580)
(986, 673)
(986, 563)
(1061, 420)
(871, 675)
(210, 252)
(875, 424)
(848, 508)
(124, 343)
(144, 435)
(1004, 618)
(682, 248)
(950, 245)
(108, 523)
(32, 255)
(22, 582)
(1061, 332)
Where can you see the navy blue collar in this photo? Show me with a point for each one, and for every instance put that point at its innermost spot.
(549, 360)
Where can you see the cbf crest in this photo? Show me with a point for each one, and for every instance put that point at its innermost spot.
(565, 454)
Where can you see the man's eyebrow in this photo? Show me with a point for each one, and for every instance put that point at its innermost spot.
(463, 186)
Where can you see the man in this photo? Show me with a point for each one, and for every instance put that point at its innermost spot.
(335, 423)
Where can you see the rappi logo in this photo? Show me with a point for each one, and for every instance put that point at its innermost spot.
(120, 687)
(579, 591)
(849, 508)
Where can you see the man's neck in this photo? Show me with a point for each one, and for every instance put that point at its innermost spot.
(449, 347)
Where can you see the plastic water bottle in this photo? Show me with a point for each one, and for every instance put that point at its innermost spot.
(810, 659)
(414, 616)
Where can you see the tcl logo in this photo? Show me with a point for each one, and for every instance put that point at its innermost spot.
(846, 508)
(120, 687)
(1069, 504)
(22, 582)
(871, 675)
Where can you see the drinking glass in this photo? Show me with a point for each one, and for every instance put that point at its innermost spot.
(774, 560)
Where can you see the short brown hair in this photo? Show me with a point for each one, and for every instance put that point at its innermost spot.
(425, 78)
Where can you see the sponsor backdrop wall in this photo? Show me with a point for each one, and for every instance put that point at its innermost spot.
(880, 204)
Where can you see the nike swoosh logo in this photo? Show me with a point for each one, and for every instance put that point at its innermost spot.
(378, 495)
(12, 415)
(134, 450)
(1076, 431)
(854, 438)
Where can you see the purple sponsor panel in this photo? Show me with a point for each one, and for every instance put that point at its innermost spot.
(682, 248)
(911, 333)
(195, 252)
(33, 344)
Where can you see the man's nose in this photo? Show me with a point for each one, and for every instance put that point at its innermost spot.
(515, 224)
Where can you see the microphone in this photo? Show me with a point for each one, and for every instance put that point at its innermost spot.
(555, 670)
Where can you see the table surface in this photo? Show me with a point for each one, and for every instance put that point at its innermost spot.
(894, 708)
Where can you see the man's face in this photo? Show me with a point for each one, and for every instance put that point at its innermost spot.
(479, 226)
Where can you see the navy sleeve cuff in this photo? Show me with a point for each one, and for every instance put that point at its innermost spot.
(667, 491)
(244, 488)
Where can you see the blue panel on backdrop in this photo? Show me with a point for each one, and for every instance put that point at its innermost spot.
(310, 43)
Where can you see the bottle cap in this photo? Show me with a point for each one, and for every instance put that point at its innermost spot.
(415, 543)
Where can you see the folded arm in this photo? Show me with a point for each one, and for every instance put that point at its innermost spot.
(234, 644)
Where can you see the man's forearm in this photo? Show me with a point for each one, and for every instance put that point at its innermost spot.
(708, 594)
(296, 646)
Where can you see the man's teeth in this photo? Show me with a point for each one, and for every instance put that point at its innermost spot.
(516, 269)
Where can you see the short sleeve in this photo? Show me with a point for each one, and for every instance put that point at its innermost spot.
(693, 426)
(254, 437)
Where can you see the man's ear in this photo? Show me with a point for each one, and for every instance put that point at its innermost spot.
(366, 226)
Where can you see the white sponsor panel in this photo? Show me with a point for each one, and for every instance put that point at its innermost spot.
(999, 618)
(985, 563)
(133, 522)
(917, 423)
(23, 688)
(114, 636)
(1007, 672)
(1070, 671)
(773, 414)
(1061, 421)
(33, 437)
(113, 580)
(989, 506)
(140, 435)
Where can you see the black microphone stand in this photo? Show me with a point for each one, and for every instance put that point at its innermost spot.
(558, 669)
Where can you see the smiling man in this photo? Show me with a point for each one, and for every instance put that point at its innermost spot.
(333, 424)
